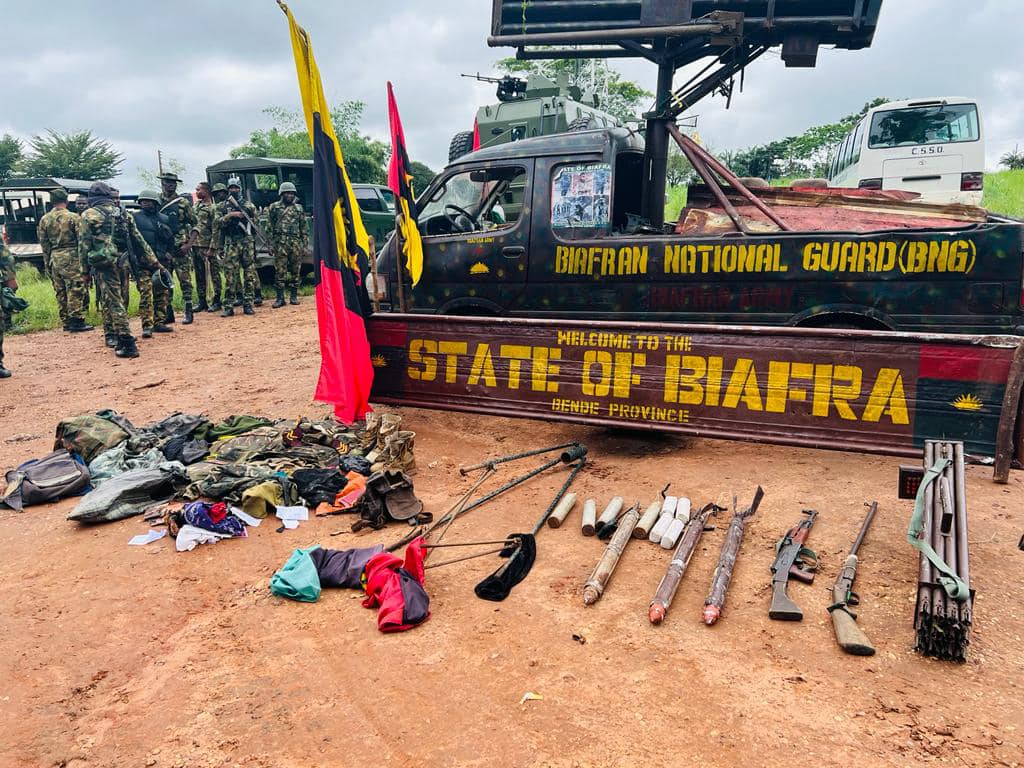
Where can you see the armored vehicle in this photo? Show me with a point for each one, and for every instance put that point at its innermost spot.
(535, 106)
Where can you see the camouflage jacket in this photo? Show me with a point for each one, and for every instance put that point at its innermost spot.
(107, 223)
(6, 263)
(287, 221)
(58, 231)
(182, 216)
(232, 229)
(206, 215)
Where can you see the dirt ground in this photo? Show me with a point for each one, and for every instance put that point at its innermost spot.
(140, 656)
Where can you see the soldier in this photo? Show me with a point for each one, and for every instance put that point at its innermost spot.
(58, 237)
(107, 239)
(204, 257)
(234, 224)
(178, 209)
(6, 278)
(81, 204)
(290, 239)
(155, 292)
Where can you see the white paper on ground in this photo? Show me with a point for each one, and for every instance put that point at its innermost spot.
(292, 513)
(291, 525)
(146, 538)
(245, 517)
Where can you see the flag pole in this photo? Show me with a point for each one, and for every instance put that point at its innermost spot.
(398, 261)
(373, 271)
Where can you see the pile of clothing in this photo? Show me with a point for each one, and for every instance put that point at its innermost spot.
(229, 474)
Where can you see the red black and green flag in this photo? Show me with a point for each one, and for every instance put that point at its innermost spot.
(340, 248)
(400, 182)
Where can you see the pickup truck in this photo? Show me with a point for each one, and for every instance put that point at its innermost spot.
(548, 227)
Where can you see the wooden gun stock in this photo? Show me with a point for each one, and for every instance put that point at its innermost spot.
(849, 636)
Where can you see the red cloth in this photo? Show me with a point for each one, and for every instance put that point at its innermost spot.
(476, 135)
(218, 512)
(396, 587)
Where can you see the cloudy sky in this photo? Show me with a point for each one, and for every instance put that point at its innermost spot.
(191, 77)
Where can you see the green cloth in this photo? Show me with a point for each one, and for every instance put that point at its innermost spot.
(298, 579)
(232, 425)
(952, 583)
(89, 435)
(260, 500)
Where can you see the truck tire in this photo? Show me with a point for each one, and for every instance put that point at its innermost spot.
(462, 144)
(580, 124)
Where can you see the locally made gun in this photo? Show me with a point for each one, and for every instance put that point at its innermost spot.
(715, 600)
(680, 560)
(792, 560)
(849, 636)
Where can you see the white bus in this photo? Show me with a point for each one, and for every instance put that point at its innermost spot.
(931, 146)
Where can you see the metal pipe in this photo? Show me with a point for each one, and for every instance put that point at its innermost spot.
(603, 35)
(715, 600)
(599, 578)
(709, 179)
(514, 456)
(666, 591)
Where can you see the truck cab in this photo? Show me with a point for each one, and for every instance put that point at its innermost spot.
(550, 227)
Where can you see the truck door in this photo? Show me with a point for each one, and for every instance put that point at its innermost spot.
(476, 237)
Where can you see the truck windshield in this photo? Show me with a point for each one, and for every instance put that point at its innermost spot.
(474, 200)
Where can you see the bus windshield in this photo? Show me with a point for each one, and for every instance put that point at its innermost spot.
(938, 124)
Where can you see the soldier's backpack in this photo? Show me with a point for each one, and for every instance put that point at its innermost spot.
(90, 434)
(40, 481)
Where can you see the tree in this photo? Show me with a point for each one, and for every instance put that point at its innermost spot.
(1013, 160)
(149, 175)
(10, 155)
(622, 98)
(421, 176)
(73, 156)
(365, 158)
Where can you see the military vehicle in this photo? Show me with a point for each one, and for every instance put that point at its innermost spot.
(534, 106)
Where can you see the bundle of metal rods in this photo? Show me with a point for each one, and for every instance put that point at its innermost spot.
(943, 623)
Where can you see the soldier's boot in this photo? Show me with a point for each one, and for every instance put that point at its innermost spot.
(169, 315)
(215, 304)
(187, 320)
(4, 373)
(161, 328)
(389, 423)
(228, 311)
(258, 300)
(77, 325)
(279, 301)
(368, 434)
(201, 305)
(400, 451)
(109, 338)
(126, 346)
(147, 333)
(248, 310)
(294, 297)
(237, 302)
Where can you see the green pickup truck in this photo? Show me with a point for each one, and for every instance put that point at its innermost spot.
(261, 176)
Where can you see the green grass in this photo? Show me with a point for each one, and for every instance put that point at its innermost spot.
(1004, 192)
(42, 314)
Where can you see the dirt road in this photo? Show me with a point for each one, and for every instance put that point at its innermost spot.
(139, 656)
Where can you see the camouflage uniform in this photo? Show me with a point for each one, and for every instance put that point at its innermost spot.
(290, 239)
(6, 274)
(206, 214)
(154, 300)
(105, 225)
(237, 249)
(58, 237)
(183, 221)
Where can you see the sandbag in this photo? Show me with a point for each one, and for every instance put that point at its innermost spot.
(40, 481)
(129, 494)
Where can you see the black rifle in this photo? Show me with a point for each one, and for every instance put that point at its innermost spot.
(133, 258)
(250, 223)
(849, 636)
(792, 560)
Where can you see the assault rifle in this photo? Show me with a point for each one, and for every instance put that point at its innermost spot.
(250, 225)
(849, 636)
(792, 560)
(133, 258)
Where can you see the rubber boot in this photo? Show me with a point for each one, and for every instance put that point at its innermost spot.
(228, 311)
(126, 346)
(187, 320)
(110, 339)
(161, 328)
(279, 301)
(169, 316)
(77, 325)
(294, 297)
(248, 310)
(147, 333)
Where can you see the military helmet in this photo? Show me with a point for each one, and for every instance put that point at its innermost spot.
(59, 195)
(219, 187)
(285, 187)
(234, 181)
(148, 194)
(169, 176)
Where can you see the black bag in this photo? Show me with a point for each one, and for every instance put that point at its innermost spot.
(41, 481)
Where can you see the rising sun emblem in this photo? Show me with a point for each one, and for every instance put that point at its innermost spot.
(967, 403)
(479, 269)
(379, 361)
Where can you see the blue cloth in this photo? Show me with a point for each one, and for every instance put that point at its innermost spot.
(298, 578)
(197, 513)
